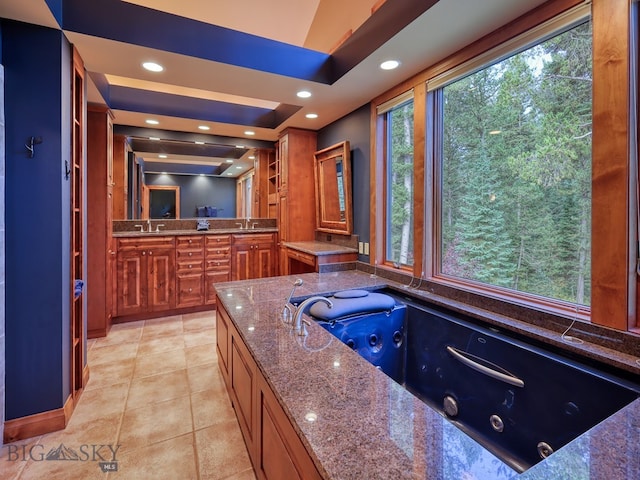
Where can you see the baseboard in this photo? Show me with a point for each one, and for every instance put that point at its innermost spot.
(39, 423)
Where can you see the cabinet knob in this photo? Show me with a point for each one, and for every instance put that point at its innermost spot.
(144, 253)
(190, 266)
(218, 264)
(218, 240)
(150, 252)
(190, 241)
(190, 254)
(190, 290)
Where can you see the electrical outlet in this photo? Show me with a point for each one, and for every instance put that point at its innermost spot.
(366, 248)
(360, 248)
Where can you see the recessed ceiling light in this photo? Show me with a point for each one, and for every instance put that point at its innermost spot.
(311, 115)
(153, 66)
(229, 173)
(239, 146)
(199, 143)
(162, 156)
(204, 127)
(239, 167)
(252, 157)
(249, 132)
(229, 161)
(303, 94)
(154, 138)
(152, 122)
(389, 64)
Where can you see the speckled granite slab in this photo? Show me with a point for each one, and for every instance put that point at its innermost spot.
(368, 426)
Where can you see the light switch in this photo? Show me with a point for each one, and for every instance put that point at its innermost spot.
(366, 248)
(361, 247)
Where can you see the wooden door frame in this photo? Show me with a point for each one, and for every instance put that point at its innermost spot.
(145, 198)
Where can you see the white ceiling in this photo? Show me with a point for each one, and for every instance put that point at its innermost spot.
(316, 24)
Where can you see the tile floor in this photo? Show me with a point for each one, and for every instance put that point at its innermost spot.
(156, 391)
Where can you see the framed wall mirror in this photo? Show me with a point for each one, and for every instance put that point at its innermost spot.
(333, 189)
(161, 202)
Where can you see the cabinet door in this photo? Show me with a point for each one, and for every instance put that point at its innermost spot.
(190, 290)
(131, 280)
(210, 280)
(161, 279)
(264, 261)
(222, 343)
(241, 262)
(243, 390)
(283, 146)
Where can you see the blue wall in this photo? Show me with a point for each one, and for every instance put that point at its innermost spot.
(196, 191)
(355, 127)
(38, 294)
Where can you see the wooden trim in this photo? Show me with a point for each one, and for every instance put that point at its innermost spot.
(419, 156)
(39, 423)
(85, 377)
(611, 269)
(146, 191)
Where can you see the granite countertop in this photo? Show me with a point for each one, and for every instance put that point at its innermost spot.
(319, 248)
(368, 426)
(217, 231)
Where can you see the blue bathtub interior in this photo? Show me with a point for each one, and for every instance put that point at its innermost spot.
(520, 401)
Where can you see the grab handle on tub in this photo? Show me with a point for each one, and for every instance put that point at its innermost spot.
(503, 375)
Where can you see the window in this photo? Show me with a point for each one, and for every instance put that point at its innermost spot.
(515, 171)
(399, 185)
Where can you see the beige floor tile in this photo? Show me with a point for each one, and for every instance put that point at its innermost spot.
(85, 467)
(221, 451)
(171, 459)
(244, 475)
(99, 431)
(163, 327)
(202, 337)
(201, 354)
(100, 402)
(110, 373)
(15, 457)
(157, 388)
(110, 353)
(171, 360)
(155, 423)
(150, 346)
(196, 322)
(211, 407)
(121, 333)
(205, 377)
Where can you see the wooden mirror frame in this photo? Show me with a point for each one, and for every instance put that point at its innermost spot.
(330, 218)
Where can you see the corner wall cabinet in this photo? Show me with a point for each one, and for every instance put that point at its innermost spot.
(296, 188)
(274, 447)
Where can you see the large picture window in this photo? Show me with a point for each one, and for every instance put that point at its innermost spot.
(515, 171)
(399, 185)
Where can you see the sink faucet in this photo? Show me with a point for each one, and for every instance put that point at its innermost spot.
(298, 326)
(158, 227)
(149, 225)
(141, 227)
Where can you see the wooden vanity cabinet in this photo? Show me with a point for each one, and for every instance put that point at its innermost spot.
(145, 275)
(275, 450)
(189, 270)
(253, 256)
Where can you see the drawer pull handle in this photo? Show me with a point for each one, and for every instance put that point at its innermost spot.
(190, 290)
(190, 266)
(190, 254)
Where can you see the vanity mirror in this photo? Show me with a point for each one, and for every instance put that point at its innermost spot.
(333, 189)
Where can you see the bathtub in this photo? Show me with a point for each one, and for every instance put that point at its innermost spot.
(520, 401)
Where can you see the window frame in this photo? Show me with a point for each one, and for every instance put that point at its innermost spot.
(615, 285)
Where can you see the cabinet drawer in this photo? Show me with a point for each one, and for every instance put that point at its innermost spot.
(183, 254)
(218, 264)
(191, 241)
(217, 240)
(141, 243)
(215, 251)
(253, 238)
(302, 256)
(190, 290)
(186, 266)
